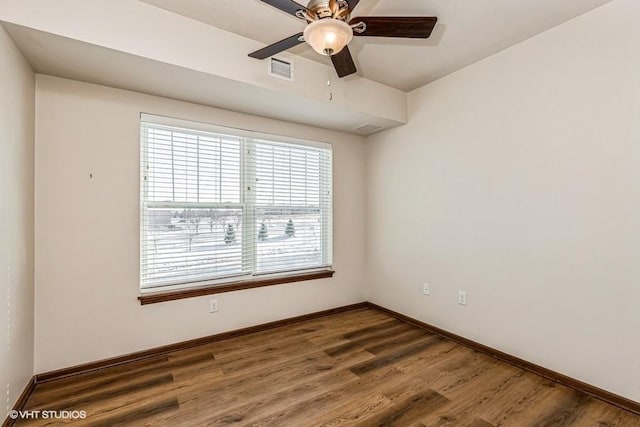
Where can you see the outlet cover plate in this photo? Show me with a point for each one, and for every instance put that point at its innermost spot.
(213, 306)
(462, 298)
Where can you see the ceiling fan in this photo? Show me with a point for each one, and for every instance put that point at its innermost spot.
(330, 29)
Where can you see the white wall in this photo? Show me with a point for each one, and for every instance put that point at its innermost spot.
(517, 179)
(87, 230)
(17, 100)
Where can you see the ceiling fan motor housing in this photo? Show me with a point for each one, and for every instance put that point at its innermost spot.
(321, 9)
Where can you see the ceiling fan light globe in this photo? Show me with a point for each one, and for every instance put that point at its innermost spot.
(328, 35)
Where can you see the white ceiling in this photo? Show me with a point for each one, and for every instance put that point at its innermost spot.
(467, 31)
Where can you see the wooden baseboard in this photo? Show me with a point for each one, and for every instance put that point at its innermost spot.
(593, 391)
(158, 351)
(22, 401)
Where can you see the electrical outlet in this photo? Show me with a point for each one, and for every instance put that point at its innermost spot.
(213, 306)
(426, 289)
(462, 298)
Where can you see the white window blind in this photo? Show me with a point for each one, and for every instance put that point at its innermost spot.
(226, 204)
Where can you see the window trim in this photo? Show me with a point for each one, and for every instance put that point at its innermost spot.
(254, 282)
(169, 292)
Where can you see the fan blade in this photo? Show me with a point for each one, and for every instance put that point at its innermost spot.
(353, 3)
(343, 62)
(414, 27)
(277, 47)
(288, 6)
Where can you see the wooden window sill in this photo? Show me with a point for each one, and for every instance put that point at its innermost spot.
(154, 298)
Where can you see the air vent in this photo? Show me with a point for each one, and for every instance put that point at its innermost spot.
(368, 128)
(281, 69)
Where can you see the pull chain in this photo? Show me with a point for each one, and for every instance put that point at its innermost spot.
(329, 78)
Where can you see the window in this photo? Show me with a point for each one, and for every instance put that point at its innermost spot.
(220, 205)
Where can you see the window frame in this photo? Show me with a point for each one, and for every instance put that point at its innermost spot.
(249, 277)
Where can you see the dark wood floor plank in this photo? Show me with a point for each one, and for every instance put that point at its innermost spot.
(412, 347)
(525, 396)
(236, 385)
(401, 341)
(377, 339)
(249, 410)
(356, 411)
(265, 384)
(248, 343)
(102, 394)
(328, 335)
(407, 411)
(264, 356)
(445, 353)
(319, 406)
(473, 392)
(479, 422)
(141, 413)
(238, 388)
(117, 378)
(384, 325)
(536, 402)
(566, 413)
(603, 415)
(352, 368)
(98, 375)
(139, 403)
(310, 329)
(489, 387)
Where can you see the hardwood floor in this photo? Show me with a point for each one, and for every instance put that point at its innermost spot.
(360, 368)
